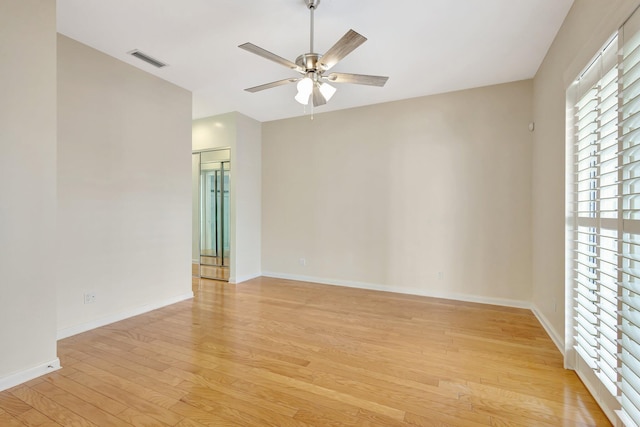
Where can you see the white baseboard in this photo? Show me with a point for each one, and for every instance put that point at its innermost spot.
(410, 291)
(84, 327)
(557, 340)
(240, 279)
(29, 374)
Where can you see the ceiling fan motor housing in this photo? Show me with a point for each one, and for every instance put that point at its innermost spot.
(308, 61)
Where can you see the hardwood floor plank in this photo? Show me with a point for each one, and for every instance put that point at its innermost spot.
(283, 400)
(205, 417)
(76, 389)
(272, 352)
(80, 406)
(139, 419)
(514, 414)
(538, 387)
(120, 379)
(542, 409)
(8, 420)
(333, 394)
(242, 394)
(53, 410)
(13, 405)
(187, 422)
(330, 417)
(123, 396)
(387, 394)
(146, 381)
(431, 417)
(126, 357)
(34, 418)
(238, 410)
(221, 350)
(275, 392)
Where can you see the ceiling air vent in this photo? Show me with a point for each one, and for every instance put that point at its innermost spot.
(146, 58)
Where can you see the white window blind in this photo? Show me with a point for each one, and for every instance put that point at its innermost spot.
(605, 233)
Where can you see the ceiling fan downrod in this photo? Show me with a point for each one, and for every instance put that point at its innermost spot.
(312, 5)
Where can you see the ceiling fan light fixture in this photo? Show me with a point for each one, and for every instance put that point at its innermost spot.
(327, 90)
(305, 87)
(302, 98)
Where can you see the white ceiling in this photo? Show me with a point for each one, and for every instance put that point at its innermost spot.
(424, 46)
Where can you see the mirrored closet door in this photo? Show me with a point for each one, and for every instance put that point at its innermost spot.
(213, 207)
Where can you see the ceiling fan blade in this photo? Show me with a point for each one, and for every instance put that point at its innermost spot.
(318, 98)
(270, 85)
(250, 47)
(360, 79)
(342, 48)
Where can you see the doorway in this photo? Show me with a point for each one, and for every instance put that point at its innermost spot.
(212, 200)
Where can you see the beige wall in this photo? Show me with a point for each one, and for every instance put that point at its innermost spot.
(214, 132)
(248, 189)
(124, 189)
(243, 136)
(587, 26)
(428, 196)
(27, 189)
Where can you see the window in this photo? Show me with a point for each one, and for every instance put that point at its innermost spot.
(604, 231)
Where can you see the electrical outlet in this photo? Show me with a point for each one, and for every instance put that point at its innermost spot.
(440, 275)
(89, 297)
(302, 261)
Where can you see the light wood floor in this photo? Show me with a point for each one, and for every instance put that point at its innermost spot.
(283, 353)
(210, 272)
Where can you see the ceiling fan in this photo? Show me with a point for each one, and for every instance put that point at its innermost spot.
(313, 66)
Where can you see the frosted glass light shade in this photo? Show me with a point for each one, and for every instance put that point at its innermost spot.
(302, 98)
(305, 87)
(327, 90)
